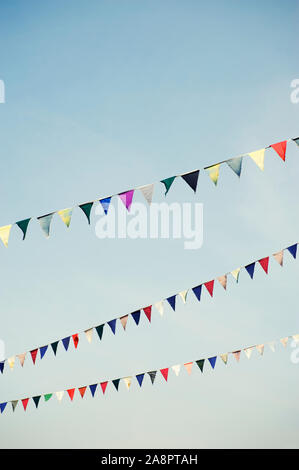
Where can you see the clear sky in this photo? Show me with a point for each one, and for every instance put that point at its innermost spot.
(101, 97)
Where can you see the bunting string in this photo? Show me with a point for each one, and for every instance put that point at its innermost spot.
(188, 366)
(136, 315)
(190, 178)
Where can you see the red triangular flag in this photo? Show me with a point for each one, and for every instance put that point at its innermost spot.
(25, 403)
(82, 391)
(75, 339)
(33, 355)
(264, 262)
(280, 149)
(164, 372)
(148, 312)
(104, 386)
(210, 287)
(71, 392)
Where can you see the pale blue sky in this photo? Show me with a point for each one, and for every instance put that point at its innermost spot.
(104, 96)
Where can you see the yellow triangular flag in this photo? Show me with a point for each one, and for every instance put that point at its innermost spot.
(88, 334)
(160, 307)
(128, 381)
(176, 369)
(214, 172)
(183, 295)
(22, 358)
(11, 362)
(235, 273)
(296, 338)
(4, 233)
(260, 348)
(284, 341)
(224, 357)
(258, 157)
(279, 257)
(66, 215)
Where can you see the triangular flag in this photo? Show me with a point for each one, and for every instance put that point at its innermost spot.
(200, 364)
(136, 316)
(250, 269)
(71, 393)
(23, 225)
(75, 340)
(93, 388)
(197, 292)
(296, 141)
(33, 355)
(235, 273)
(140, 378)
(237, 355)
(212, 361)
(25, 403)
(45, 222)
(66, 215)
(105, 203)
(224, 357)
(258, 157)
(176, 369)
(183, 295)
(191, 179)
(100, 329)
(2, 406)
(43, 350)
(167, 183)
(127, 198)
(214, 172)
(152, 375)
(124, 320)
(293, 250)
(54, 347)
(88, 334)
(82, 391)
(148, 312)
(296, 338)
(112, 324)
(284, 341)
(66, 342)
(86, 208)
(2, 366)
(279, 257)
(116, 383)
(164, 372)
(22, 358)
(59, 395)
(160, 307)
(260, 348)
(128, 381)
(104, 386)
(272, 345)
(147, 192)
(47, 396)
(280, 149)
(223, 280)
(210, 287)
(4, 233)
(235, 164)
(14, 404)
(264, 262)
(11, 362)
(248, 351)
(188, 367)
(171, 301)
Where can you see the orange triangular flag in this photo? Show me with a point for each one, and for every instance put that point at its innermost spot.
(188, 366)
(223, 280)
(124, 320)
(82, 391)
(280, 149)
(279, 257)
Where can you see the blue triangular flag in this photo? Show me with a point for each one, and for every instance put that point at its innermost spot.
(2, 366)
(212, 361)
(105, 204)
(112, 324)
(197, 291)
(171, 301)
(42, 351)
(93, 389)
(293, 250)
(140, 378)
(250, 269)
(235, 164)
(2, 406)
(116, 383)
(136, 316)
(66, 342)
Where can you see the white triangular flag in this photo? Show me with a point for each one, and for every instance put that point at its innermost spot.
(183, 295)
(258, 157)
(128, 381)
(260, 348)
(176, 369)
(160, 307)
(88, 334)
(271, 345)
(59, 395)
(147, 192)
(284, 341)
(248, 351)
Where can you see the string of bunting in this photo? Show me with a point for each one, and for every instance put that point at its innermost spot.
(136, 315)
(191, 178)
(102, 386)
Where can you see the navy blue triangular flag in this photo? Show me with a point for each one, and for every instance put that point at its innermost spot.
(36, 400)
(54, 346)
(42, 351)
(116, 383)
(136, 316)
(191, 179)
(112, 324)
(212, 361)
(100, 329)
(2, 406)
(293, 250)
(93, 389)
(140, 378)
(171, 301)
(66, 342)
(2, 366)
(250, 269)
(197, 291)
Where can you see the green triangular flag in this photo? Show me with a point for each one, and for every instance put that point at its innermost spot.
(14, 404)
(116, 383)
(47, 396)
(36, 400)
(100, 329)
(54, 346)
(23, 225)
(167, 183)
(200, 364)
(86, 208)
(45, 222)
